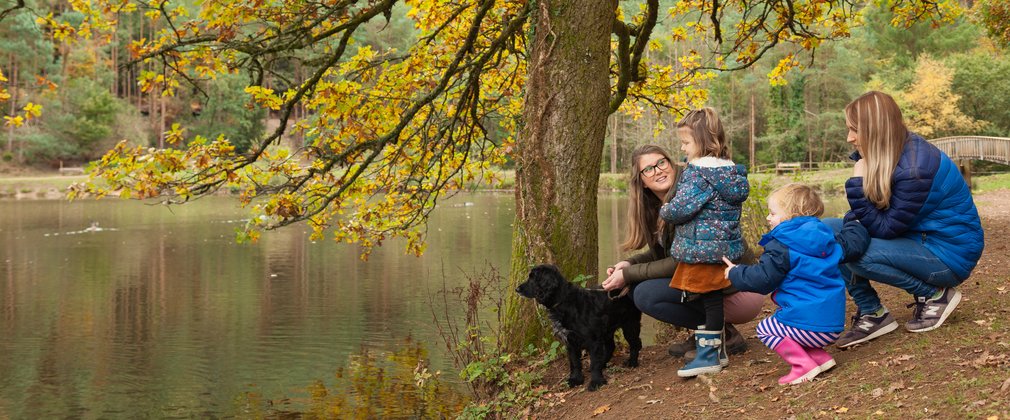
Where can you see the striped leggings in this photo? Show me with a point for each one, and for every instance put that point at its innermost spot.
(770, 331)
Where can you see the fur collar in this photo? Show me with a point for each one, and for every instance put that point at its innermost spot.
(711, 162)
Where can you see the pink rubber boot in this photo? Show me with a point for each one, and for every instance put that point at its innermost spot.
(803, 367)
(821, 357)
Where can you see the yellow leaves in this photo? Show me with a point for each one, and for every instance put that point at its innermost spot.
(16, 121)
(32, 110)
(265, 97)
(174, 134)
(931, 107)
(777, 77)
(940, 12)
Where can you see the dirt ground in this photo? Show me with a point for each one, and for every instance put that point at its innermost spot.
(961, 370)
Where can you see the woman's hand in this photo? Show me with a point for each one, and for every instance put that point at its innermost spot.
(617, 267)
(729, 266)
(616, 279)
(860, 169)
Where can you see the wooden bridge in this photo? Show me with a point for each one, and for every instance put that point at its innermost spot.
(964, 149)
(992, 149)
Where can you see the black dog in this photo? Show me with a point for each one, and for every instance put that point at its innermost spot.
(585, 319)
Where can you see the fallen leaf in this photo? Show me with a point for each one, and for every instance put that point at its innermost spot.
(842, 410)
(654, 401)
(878, 413)
(992, 418)
(1005, 386)
(877, 392)
(711, 396)
(601, 410)
(775, 399)
(979, 321)
(896, 386)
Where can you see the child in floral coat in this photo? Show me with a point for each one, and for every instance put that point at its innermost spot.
(706, 213)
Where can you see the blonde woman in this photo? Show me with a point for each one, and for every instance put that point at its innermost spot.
(651, 184)
(925, 232)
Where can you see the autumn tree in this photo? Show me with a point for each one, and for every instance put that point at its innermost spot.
(931, 109)
(388, 133)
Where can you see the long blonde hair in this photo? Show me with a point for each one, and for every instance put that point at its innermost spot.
(643, 205)
(881, 134)
(706, 127)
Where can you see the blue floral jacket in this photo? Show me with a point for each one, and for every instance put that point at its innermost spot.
(706, 211)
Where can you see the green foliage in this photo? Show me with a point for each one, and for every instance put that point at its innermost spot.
(896, 49)
(226, 113)
(755, 210)
(786, 140)
(79, 122)
(503, 382)
(982, 80)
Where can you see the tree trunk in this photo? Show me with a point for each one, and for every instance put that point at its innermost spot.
(13, 101)
(560, 146)
(751, 144)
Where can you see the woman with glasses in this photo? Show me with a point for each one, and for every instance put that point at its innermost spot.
(648, 273)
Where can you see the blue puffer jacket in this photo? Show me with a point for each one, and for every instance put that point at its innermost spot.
(930, 202)
(706, 211)
(800, 265)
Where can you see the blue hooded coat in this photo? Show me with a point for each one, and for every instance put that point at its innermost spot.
(800, 268)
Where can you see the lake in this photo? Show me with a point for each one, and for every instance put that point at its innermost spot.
(118, 309)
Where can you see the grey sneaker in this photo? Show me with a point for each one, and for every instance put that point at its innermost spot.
(865, 328)
(678, 349)
(929, 314)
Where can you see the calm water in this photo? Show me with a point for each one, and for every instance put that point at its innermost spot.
(161, 314)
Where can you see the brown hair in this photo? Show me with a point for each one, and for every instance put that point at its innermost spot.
(643, 205)
(706, 128)
(797, 200)
(881, 133)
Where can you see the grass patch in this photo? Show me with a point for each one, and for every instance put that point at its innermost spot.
(987, 183)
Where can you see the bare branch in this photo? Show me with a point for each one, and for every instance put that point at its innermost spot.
(19, 5)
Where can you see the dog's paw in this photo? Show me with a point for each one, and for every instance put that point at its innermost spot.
(574, 381)
(631, 363)
(594, 385)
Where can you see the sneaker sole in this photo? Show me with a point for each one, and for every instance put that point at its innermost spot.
(806, 378)
(943, 317)
(883, 330)
(827, 365)
(690, 373)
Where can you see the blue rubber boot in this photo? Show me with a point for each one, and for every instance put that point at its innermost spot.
(707, 360)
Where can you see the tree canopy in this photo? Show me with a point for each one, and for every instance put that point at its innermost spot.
(385, 133)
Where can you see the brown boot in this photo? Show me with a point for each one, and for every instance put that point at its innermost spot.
(678, 349)
(735, 343)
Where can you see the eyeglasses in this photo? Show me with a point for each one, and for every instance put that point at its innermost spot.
(650, 171)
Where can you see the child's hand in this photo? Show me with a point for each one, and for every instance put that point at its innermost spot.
(729, 265)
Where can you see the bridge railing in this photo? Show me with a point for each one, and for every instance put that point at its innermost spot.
(993, 149)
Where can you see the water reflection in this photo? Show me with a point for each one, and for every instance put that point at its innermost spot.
(166, 316)
(372, 384)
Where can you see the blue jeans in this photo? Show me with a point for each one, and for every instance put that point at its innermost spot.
(900, 262)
